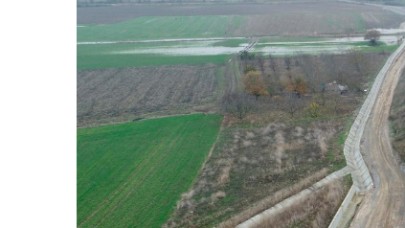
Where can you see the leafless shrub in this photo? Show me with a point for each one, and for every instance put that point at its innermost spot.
(237, 104)
(273, 199)
(311, 69)
(292, 104)
(272, 63)
(260, 60)
(287, 62)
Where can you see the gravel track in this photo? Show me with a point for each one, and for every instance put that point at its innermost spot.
(384, 205)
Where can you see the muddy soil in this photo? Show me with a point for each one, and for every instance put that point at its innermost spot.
(115, 95)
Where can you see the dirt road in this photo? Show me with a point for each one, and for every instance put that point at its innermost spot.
(383, 206)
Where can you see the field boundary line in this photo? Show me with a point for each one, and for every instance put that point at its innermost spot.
(205, 161)
(146, 118)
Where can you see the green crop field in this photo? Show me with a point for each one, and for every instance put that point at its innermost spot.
(160, 28)
(151, 40)
(88, 61)
(97, 56)
(132, 174)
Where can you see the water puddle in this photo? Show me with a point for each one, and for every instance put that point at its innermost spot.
(391, 31)
(184, 51)
(213, 39)
(274, 50)
(206, 47)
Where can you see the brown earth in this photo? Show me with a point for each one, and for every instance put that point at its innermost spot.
(383, 206)
(115, 95)
(262, 19)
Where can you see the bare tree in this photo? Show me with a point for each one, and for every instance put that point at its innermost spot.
(272, 63)
(237, 104)
(360, 64)
(291, 104)
(311, 68)
(260, 60)
(336, 102)
(357, 58)
(373, 36)
(287, 61)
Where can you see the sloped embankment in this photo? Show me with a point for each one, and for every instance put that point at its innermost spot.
(397, 118)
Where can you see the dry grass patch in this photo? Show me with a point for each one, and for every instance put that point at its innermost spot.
(250, 164)
(272, 200)
(316, 211)
(270, 152)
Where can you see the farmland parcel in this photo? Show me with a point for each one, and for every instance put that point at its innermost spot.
(153, 36)
(145, 61)
(131, 175)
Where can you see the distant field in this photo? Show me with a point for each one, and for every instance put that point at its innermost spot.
(128, 25)
(331, 15)
(131, 175)
(228, 21)
(161, 27)
(287, 22)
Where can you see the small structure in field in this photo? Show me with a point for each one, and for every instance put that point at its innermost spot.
(336, 87)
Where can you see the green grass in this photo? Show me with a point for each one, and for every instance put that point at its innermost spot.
(98, 56)
(161, 28)
(230, 43)
(132, 174)
(290, 39)
(359, 22)
(140, 60)
(379, 48)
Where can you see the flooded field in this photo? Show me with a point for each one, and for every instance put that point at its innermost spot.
(212, 39)
(234, 45)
